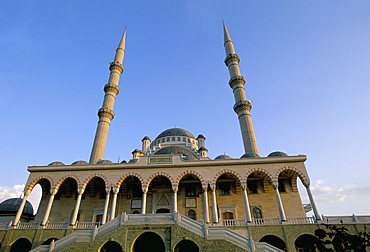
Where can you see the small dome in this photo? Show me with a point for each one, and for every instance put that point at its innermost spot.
(277, 154)
(104, 162)
(223, 157)
(250, 155)
(201, 136)
(146, 138)
(175, 132)
(189, 155)
(80, 162)
(12, 206)
(55, 163)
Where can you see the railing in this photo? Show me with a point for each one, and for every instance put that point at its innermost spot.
(86, 225)
(56, 225)
(29, 225)
(264, 221)
(233, 222)
(303, 220)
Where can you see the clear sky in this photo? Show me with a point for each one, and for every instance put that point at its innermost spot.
(307, 66)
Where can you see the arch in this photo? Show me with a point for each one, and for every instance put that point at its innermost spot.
(160, 174)
(111, 246)
(257, 213)
(186, 246)
(226, 171)
(307, 243)
(253, 170)
(300, 174)
(190, 172)
(134, 174)
(192, 214)
(48, 241)
(95, 176)
(31, 185)
(21, 245)
(148, 241)
(61, 181)
(274, 241)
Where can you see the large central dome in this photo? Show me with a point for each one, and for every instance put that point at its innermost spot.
(175, 132)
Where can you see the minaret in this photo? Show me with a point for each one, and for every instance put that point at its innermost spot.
(242, 106)
(106, 113)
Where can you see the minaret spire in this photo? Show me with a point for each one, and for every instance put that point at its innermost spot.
(242, 106)
(106, 113)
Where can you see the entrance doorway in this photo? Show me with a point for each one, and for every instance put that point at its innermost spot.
(149, 241)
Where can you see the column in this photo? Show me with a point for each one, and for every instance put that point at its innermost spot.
(106, 204)
(143, 202)
(48, 208)
(214, 205)
(205, 204)
(77, 207)
(278, 199)
(312, 202)
(248, 215)
(21, 207)
(174, 199)
(114, 202)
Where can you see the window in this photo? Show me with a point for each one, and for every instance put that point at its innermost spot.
(99, 218)
(190, 190)
(173, 139)
(192, 214)
(281, 185)
(137, 191)
(257, 213)
(224, 188)
(252, 186)
(227, 215)
(179, 139)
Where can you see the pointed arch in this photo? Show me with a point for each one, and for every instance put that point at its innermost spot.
(61, 181)
(300, 174)
(31, 185)
(133, 174)
(95, 176)
(160, 174)
(190, 172)
(256, 169)
(226, 171)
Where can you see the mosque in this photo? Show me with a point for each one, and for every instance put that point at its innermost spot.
(170, 196)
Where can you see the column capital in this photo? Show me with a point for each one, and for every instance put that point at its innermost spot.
(212, 187)
(108, 189)
(243, 186)
(306, 183)
(115, 190)
(275, 185)
(81, 191)
(145, 189)
(175, 189)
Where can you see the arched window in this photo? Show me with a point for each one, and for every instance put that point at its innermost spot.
(257, 213)
(173, 139)
(183, 139)
(99, 218)
(136, 212)
(192, 214)
(179, 139)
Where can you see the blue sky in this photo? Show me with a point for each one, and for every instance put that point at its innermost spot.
(306, 64)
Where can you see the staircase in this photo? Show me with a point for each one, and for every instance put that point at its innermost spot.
(203, 230)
